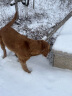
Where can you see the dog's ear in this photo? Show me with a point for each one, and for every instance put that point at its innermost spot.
(27, 45)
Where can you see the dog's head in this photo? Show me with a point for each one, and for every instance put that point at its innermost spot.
(45, 48)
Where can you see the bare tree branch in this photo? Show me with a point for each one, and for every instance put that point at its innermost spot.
(58, 25)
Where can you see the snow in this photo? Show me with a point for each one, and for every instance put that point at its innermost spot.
(44, 38)
(12, 2)
(44, 80)
(64, 40)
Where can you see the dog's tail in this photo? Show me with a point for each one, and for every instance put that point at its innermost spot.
(12, 21)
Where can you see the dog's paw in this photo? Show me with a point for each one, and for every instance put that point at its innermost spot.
(3, 57)
(29, 71)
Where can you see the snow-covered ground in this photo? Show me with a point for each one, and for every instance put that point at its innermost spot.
(44, 80)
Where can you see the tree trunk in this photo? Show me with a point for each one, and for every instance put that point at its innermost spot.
(33, 4)
(26, 12)
(16, 7)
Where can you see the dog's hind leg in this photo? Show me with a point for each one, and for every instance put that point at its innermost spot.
(3, 48)
(24, 66)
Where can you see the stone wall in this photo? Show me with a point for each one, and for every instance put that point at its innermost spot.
(62, 60)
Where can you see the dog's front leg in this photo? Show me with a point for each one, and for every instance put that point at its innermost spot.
(24, 66)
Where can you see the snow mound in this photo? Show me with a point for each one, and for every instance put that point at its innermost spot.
(64, 41)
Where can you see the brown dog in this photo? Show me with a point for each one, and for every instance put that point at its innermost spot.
(22, 46)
